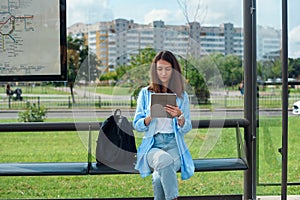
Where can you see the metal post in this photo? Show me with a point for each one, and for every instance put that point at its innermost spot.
(226, 96)
(284, 100)
(9, 102)
(89, 148)
(69, 102)
(255, 109)
(39, 101)
(248, 103)
(99, 99)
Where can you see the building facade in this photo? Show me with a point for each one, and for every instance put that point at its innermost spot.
(115, 41)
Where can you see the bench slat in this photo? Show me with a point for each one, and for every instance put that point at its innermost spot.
(81, 168)
(43, 169)
(201, 165)
(220, 164)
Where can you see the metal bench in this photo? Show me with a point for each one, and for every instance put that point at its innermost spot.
(89, 167)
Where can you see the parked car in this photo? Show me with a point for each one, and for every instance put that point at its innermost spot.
(296, 108)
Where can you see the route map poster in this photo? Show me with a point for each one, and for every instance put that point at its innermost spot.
(33, 40)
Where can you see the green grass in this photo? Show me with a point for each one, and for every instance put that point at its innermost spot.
(71, 147)
(42, 90)
(113, 90)
(109, 90)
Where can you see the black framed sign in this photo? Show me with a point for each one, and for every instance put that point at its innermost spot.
(33, 40)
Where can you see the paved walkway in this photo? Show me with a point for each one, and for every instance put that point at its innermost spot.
(290, 197)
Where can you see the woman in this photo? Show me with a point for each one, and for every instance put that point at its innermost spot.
(163, 149)
(9, 91)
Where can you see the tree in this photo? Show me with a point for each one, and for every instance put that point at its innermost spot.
(276, 68)
(145, 56)
(198, 12)
(229, 67)
(121, 70)
(203, 73)
(82, 63)
(196, 79)
(260, 75)
(75, 52)
(136, 73)
(294, 69)
(89, 70)
(272, 68)
(108, 76)
(231, 70)
(141, 64)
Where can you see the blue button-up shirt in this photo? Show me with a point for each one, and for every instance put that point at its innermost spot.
(142, 111)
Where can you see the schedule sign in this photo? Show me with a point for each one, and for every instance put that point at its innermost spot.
(33, 40)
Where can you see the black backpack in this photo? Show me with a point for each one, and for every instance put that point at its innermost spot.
(116, 146)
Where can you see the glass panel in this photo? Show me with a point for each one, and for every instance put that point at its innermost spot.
(269, 85)
(269, 80)
(294, 93)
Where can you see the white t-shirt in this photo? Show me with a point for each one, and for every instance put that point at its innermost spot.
(164, 125)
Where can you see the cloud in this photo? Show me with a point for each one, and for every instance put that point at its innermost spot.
(209, 12)
(157, 14)
(89, 11)
(295, 34)
(294, 42)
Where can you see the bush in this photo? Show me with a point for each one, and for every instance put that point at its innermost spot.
(33, 113)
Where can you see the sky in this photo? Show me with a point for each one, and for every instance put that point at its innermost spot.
(210, 12)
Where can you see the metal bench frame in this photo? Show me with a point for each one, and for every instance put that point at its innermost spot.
(91, 168)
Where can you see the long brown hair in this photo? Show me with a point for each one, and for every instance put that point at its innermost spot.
(176, 84)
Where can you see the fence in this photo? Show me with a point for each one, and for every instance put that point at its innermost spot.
(65, 102)
(56, 102)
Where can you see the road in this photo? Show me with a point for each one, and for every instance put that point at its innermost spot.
(94, 114)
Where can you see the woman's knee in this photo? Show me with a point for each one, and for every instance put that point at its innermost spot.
(163, 161)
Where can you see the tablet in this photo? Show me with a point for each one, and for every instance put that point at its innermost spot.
(159, 101)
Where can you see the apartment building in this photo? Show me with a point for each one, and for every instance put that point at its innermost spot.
(268, 43)
(115, 41)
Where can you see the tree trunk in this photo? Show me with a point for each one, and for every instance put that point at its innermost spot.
(72, 92)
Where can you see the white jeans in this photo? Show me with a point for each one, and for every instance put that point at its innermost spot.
(164, 159)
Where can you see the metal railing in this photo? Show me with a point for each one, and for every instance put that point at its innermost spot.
(65, 102)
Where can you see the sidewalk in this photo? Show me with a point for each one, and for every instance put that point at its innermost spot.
(290, 197)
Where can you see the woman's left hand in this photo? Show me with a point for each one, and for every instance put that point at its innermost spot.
(174, 111)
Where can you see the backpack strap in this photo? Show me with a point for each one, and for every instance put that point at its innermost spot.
(116, 113)
(118, 116)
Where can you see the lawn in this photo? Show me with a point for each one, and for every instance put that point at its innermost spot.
(47, 89)
(117, 90)
(71, 147)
